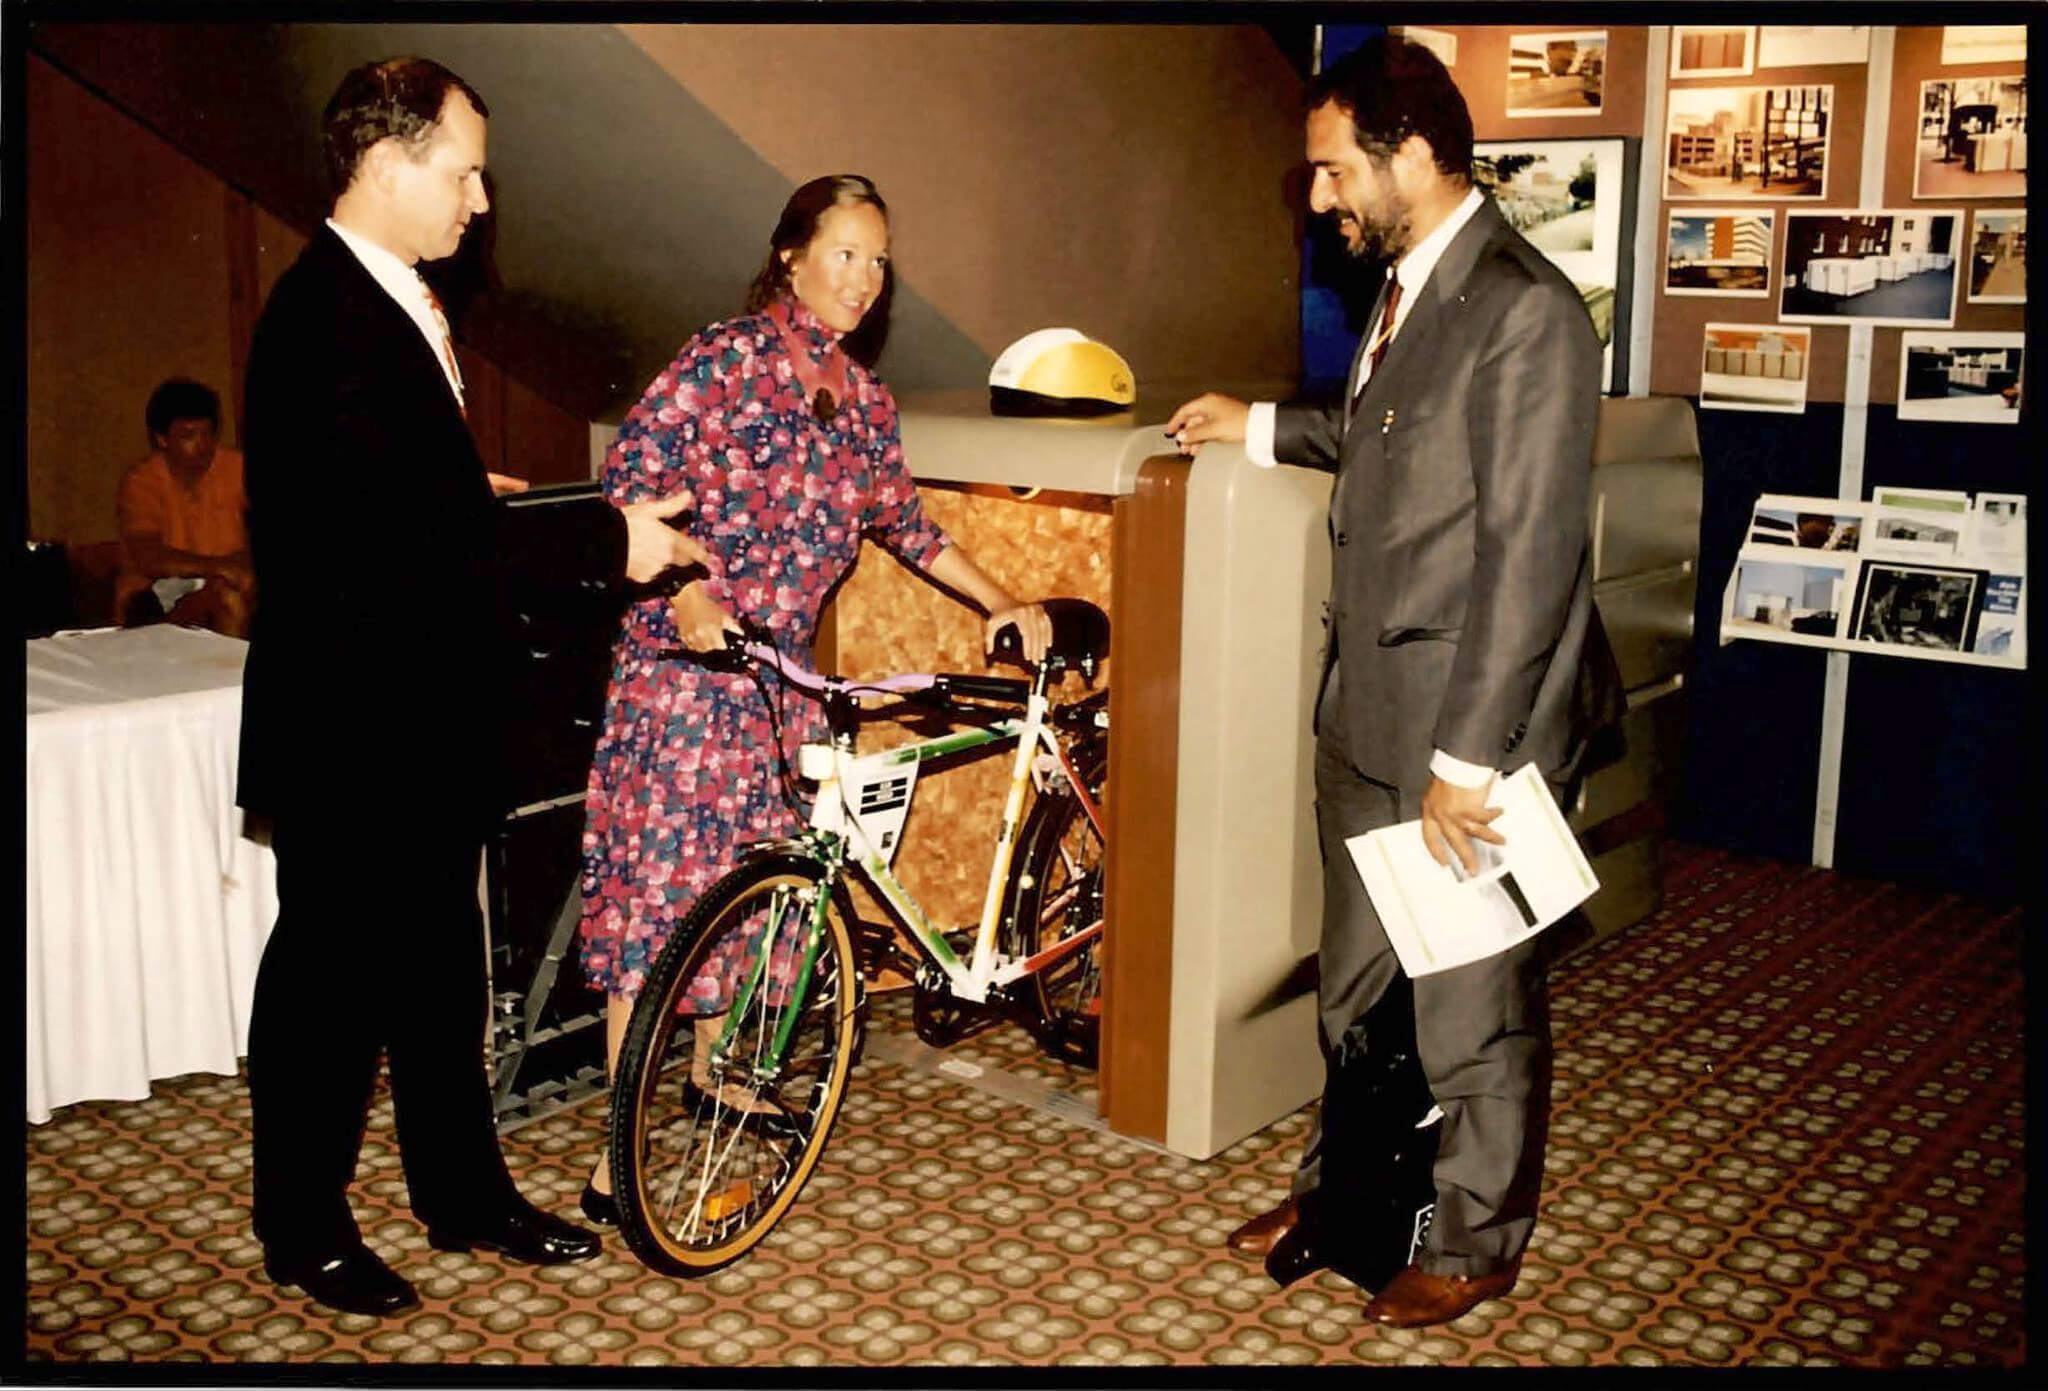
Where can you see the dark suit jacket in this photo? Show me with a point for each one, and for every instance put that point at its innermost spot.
(379, 646)
(1461, 597)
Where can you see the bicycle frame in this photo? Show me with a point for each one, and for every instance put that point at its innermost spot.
(861, 804)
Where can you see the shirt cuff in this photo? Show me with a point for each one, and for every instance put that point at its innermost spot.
(1258, 435)
(1457, 772)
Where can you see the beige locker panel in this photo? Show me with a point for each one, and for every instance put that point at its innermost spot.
(1247, 876)
(1650, 627)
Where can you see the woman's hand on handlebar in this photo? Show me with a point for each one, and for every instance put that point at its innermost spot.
(1033, 625)
(700, 621)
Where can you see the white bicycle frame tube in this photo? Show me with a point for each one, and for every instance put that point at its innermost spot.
(986, 967)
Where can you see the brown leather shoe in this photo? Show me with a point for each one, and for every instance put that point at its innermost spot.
(1417, 1299)
(1257, 1237)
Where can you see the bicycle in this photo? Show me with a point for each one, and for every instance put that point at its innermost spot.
(715, 1127)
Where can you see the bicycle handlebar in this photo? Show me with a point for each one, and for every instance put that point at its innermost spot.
(750, 646)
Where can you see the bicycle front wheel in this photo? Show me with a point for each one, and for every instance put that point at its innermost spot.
(716, 1125)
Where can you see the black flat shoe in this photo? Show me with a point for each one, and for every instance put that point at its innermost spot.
(524, 1233)
(774, 1124)
(355, 1282)
(601, 1208)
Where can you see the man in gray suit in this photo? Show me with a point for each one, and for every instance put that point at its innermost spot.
(1462, 645)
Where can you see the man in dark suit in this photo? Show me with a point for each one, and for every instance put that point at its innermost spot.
(370, 701)
(1462, 645)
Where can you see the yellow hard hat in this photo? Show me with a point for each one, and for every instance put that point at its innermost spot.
(1060, 371)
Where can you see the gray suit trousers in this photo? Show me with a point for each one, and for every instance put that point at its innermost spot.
(1482, 1035)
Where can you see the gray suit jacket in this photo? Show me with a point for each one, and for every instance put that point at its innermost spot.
(1461, 598)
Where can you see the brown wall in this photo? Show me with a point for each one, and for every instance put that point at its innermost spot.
(1045, 175)
(1678, 322)
(128, 283)
(1916, 57)
(143, 265)
(1481, 73)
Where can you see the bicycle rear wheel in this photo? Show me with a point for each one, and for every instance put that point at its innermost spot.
(700, 1180)
(1055, 891)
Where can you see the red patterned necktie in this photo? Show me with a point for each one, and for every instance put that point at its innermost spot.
(447, 346)
(1386, 333)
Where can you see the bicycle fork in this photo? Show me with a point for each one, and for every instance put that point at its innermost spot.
(762, 1070)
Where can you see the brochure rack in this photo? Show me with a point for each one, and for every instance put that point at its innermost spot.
(1936, 576)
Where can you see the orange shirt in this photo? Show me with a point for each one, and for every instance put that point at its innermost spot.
(206, 520)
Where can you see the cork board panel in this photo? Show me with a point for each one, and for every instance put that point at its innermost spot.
(1916, 58)
(1678, 322)
(886, 618)
(1481, 73)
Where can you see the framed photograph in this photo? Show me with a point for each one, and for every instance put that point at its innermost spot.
(2002, 618)
(1755, 367)
(1441, 42)
(1719, 251)
(1872, 265)
(1712, 50)
(1908, 605)
(1983, 43)
(1807, 523)
(1747, 142)
(1575, 202)
(1556, 74)
(1998, 528)
(1811, 45)
(1964, 378)
(1973, 138)
(1800, 593)
(1998, 256)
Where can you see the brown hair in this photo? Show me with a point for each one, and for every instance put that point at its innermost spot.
(793, 232)
(399, 97)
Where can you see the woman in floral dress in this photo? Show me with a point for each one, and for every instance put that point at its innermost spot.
(788, 443)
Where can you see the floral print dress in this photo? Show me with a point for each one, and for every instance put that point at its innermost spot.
(685, 772)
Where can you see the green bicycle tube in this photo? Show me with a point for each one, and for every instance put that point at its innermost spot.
(956, 743)
(787, 1025)
(736, 1011)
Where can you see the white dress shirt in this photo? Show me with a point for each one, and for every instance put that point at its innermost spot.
(410, 293)
(1413, 271)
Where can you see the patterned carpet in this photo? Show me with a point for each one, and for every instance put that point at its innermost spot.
(1788, 1129)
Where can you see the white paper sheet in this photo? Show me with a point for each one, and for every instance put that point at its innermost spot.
(1437, 918)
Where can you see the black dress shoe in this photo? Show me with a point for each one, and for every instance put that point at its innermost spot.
(601, 1208)
(1301, 1250)
(355, 1282)
(524, 1233)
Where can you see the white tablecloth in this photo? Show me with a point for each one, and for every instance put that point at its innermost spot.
(147, 909)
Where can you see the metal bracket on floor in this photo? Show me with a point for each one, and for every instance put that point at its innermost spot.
(916, 1056)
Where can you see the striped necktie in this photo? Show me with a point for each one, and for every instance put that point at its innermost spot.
(1376, 351)
(447, 347)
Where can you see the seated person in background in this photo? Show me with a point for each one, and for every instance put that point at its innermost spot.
(184, 541)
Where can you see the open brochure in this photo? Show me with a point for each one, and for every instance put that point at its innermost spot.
(1438, 917)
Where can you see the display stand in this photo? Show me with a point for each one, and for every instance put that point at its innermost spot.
(1915, 573)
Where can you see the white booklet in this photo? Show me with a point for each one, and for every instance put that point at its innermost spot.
(1438, 917)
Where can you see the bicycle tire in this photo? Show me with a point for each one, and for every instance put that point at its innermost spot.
(700, 1183)
(1056, 888)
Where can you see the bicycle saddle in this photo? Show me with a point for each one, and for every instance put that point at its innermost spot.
(1080, 638)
